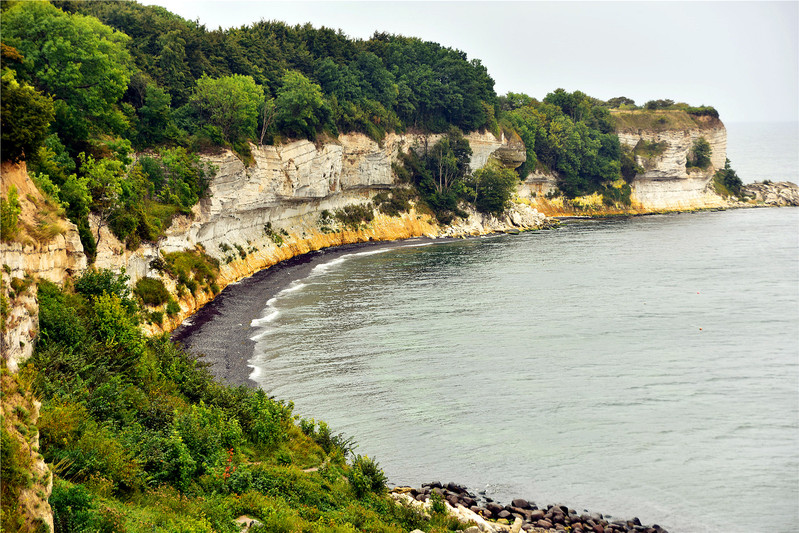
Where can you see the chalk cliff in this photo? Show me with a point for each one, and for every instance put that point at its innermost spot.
(286, 188)
(666, 183)
(661, 142)
(53, 255)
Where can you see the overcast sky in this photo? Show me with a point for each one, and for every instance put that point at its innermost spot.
(741, 57)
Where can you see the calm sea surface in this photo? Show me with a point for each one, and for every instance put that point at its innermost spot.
(647, 366)
(764, 150)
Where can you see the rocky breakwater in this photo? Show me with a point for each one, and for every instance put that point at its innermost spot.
(520, 514)
(279, 206)
(661, 142)
(780, 193)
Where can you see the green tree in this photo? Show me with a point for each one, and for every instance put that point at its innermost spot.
(300, 107)
(231, 103)
(25, 115)
(700, 154)
(729, 179)
(104, 180)
(76, 59)
(155, 118)
(494, 187)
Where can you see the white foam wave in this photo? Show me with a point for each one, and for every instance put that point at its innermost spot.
(265, 319)
(256, 372)
(295, 286)
(263, 334)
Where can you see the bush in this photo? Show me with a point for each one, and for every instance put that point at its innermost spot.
(73, 508)
(699, 157)
(151, 291)
(353, 216)
(727, 182)
(265, 421)
(94, 283)
(9, 215)
(365, 475)
(192, 268)
(207, 432)
(493, 187)
(172, 307)
(394, 203)
(115, 326)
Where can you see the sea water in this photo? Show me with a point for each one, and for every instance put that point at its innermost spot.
(645, 366)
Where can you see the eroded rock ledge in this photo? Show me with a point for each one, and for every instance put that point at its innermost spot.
(780, 193)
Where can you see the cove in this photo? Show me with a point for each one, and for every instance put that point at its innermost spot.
(561, 366)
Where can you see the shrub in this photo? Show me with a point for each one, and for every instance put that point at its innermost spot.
(699, 156)
(94, 283)
(353, 216)
(365, 475)
(151, 291)
(192, 268)
(9, 214)
(395, 202)
(207, 432)
(73, 508)
(493, 188)
(265, 421)
(325, 438)
(172, 307)
(727, 182)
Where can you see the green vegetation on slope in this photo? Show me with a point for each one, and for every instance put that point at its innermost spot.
(570, 133)
(141, 438)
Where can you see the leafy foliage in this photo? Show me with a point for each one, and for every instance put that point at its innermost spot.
(494, 187)
(9, 214)
(143, 438)
(366, 476)
(151, 291)
(727, 181)
(699, 157)
(78, 60)
(439, 173)
(572, 134)
(230, 103)
(26, 116)
(301, 109)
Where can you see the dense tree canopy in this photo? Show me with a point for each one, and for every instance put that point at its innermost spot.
(230, 103)
(570, 133)
(32, 113)
(83, 64)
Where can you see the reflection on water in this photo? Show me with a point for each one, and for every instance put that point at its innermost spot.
(644, 366)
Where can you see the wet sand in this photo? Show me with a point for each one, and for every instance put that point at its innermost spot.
(219, 333)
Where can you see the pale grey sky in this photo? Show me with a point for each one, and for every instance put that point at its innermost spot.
(741, 57)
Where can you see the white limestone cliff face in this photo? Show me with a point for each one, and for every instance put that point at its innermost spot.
(537, 184)
(666, 183)
(287, 186)
(23, 261)
(26, 257)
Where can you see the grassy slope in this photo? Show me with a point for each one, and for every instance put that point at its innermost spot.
(660, 120)
(140, 437)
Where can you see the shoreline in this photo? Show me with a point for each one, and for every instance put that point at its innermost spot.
(228, 360)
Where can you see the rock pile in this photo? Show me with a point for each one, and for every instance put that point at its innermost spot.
(781, 193)
(533, 518)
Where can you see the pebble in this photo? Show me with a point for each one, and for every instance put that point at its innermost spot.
(524, 514)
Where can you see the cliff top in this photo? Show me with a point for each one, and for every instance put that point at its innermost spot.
(661, 120)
